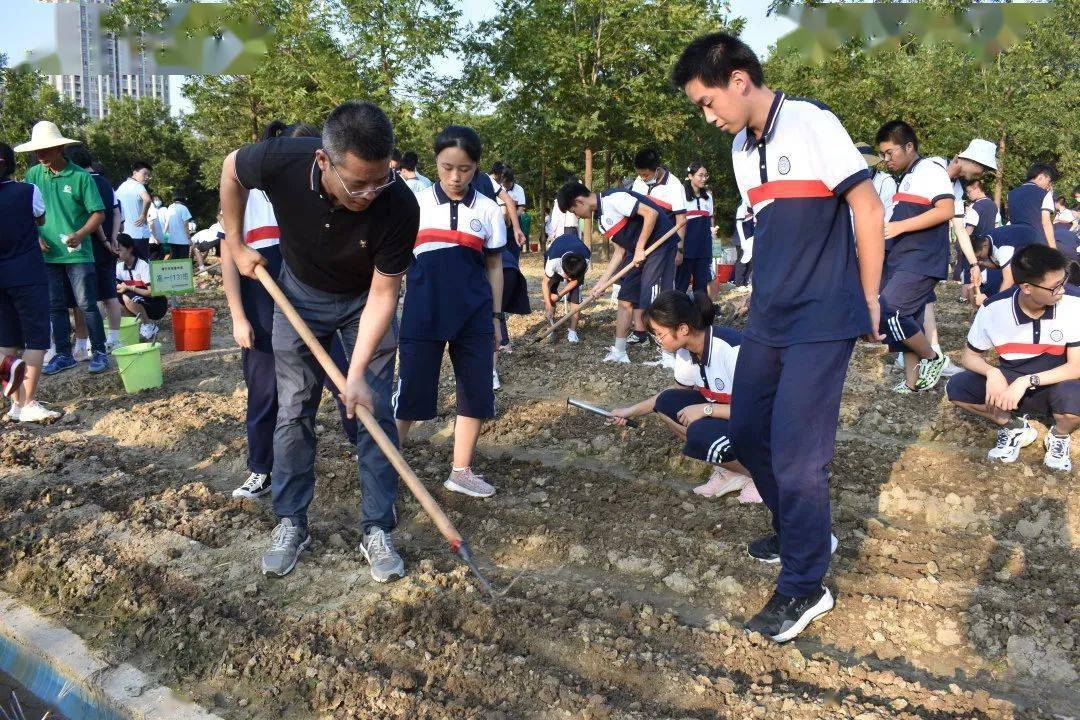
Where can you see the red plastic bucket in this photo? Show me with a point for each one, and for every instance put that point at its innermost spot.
(191, 328)
(724, 271)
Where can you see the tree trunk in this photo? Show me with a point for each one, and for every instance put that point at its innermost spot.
(588, 183)
(542, 204)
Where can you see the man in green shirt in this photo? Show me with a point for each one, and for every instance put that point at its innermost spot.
(73, 213)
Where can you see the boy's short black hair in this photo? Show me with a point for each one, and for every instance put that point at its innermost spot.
(508, 177)
(897, 131)
(358, 128)
(647, 159)
(1031, 263)
(7, 160)
(712, 58)
(978, 242)
(570, 192)
(395, 155)
(409, 161)
(574, 266)
(141, 165)
(78, 154)
(1042, 169)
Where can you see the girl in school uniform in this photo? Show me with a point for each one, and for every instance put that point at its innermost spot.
(453, 297)
(515, 295)
(252, 311)
(696, 263)
(133, 288)
(698, 408)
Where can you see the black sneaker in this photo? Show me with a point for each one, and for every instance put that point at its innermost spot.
(767, 549)
(637, 338)
(784, 617)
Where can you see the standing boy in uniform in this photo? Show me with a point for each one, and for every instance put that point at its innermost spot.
(1032, 203)
(799, 172)
(917, 253)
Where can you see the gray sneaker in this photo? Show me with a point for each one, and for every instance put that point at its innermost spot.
(379, 551)
(469, 483)
(286, 542)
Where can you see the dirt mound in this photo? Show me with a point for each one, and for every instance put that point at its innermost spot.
(956, 580)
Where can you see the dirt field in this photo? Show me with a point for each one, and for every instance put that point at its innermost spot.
(957, 581)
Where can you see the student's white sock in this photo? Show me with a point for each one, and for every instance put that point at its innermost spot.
(459, 470)
(1058, 433)
(81, 344)
(620, 344)
(936, 349)
(112, 336)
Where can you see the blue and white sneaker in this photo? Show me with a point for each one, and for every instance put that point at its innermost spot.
(99, 362)
(59, 363)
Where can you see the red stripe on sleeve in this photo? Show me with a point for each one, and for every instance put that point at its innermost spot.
(784, 189)
(616, 228)
(914, 199)
(266, 232)
(723, 398)
(661, 203)
(697, 213)
(1030, 349)
(457, 237)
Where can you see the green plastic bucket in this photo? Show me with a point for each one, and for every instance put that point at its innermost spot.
(139, 365)
(129, 331)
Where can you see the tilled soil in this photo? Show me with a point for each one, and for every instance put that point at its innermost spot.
(956, 580)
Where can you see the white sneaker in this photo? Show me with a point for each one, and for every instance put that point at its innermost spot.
(81, 354)
(572, 336)
(257, 485)
(495, 384)
(618, 356)
(950, 368)
(111, 345)
(36, 412)
(1010, 442)
(12, 415)
(899, 360)
(49, 355)
(1057, 452)
(148, 331)
(901, 388)
(721, 482)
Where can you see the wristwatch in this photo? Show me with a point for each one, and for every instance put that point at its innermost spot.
(708, 410)
(1034, 381)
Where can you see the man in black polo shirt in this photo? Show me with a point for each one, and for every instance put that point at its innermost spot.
(348, 225)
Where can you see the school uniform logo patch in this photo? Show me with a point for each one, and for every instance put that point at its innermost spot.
(1057, 336)
(67, 189)
(784, 165)
(718, 383)
(476, 225)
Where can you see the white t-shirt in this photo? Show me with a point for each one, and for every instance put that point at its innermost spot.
(560, 221)
(885, 186)
(207, 235)
(137, 276)
(174, 220)
(130, 196)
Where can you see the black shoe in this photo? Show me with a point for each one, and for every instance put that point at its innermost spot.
(784, 617)
(636, 338)
(767, 549)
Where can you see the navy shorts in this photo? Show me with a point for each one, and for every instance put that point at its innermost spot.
(697, 270)
(179, 252)
(630, 284)
(903, 302)
(419, 363)
(1063, 397)
(24, 317)
(556, 281)
(156, 307)
(707, 439)
(657, 274)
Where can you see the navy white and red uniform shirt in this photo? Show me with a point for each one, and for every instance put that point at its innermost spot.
(447, 291)
(712, 374)
(1006, 240)
(982, 216)
(744, 227)
(1024, 344)
(699, 213)
(138, 275)
(261, 229)
(559, 248)
(665, 190)
(926, 251)
(1028, 202)
(806, 276)
(618, 220)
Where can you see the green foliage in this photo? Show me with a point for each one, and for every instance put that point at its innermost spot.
(1028, 96)
(25, 98)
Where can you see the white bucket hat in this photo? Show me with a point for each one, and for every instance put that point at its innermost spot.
(981, 151)
(44, 135)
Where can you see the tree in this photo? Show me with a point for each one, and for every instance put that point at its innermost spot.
(25, 98)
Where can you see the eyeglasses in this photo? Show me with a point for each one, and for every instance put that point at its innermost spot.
(1058, 289)
(366, 192)
(660, 336)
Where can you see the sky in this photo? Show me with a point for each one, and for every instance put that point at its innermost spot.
(35, 31)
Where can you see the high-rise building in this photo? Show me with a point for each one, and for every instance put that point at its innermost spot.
(107, 66)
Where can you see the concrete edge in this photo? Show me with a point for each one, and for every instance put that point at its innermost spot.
(124, 687)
